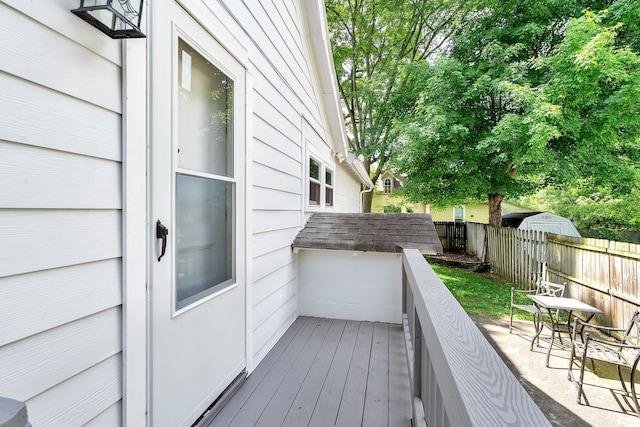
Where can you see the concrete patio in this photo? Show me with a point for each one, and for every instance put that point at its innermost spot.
(549, 387)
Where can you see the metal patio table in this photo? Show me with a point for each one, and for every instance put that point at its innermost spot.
(551, 304)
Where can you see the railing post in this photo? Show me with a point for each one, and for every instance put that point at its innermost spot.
(404, 290)
(417, 358)
(13, 413)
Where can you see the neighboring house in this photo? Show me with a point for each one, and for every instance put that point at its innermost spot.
(214, 139)
(384, 199)
(472, 212)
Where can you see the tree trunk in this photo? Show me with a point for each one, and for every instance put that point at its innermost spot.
(495, 209)
(367, 198)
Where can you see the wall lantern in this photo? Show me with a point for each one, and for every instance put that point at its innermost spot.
(119, 19)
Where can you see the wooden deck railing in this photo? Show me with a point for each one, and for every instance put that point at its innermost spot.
(456, 377)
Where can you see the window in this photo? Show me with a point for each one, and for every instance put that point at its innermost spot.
(205, 178)
(387, 186)
(314, 182)
(328, 187)
(458, 213)
(321, 184)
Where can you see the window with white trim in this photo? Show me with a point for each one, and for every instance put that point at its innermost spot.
(387, 186)
(321, 184)
(314, 182)
(328, 187)
(458, 213)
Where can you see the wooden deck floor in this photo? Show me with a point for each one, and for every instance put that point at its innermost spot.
(323, 373)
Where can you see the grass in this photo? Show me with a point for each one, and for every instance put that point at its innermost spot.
(479, 294)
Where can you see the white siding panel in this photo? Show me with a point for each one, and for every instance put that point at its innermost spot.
(273, 133)
(280, 297)
(264, 243)
(38, 240)
(76, 401)
(285, 36)
(273, 108)
(223, 26)
(32, 303)
(271, 98)
(268, 199)
(269, 156)
(57, 17)
(291, 18)
(57, 62)
(33, 365)
(112, 417)
(274, 220)
(273, 178)
(35, 115)
(271, 261)
(269, 44)
(266, 286)
(267, 333)
(346, 191)
(41, 178)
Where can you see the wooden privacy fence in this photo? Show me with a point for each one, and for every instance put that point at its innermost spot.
(517, 255)
(602, 273)
(453, 235)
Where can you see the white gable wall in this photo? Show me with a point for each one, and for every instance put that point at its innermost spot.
(60, 215)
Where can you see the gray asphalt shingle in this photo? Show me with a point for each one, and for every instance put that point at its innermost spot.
(376, 232)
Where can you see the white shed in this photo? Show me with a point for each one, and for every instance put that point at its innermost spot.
(541, 221)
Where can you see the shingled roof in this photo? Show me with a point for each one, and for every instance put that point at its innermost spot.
(383, 232)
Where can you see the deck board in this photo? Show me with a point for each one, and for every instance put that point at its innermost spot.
(352, 403)
(326, 372)
(305, 402)
(376, 403)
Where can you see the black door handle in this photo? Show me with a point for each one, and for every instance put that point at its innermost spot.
(161, 233)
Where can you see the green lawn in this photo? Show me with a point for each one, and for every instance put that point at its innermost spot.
(479, 294)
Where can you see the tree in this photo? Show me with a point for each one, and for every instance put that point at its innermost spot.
(508, 110)
(594, 76)
(371, 40)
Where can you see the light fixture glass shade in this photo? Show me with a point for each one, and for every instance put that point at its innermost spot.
(119, 19)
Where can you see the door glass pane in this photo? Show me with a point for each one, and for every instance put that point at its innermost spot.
(203, 237)
(205, 119)
(204, 203)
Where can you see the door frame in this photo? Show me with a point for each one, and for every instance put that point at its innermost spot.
(134, 232)
(212, 24)
(136, 223)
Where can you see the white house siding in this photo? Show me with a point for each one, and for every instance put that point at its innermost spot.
(286, 116)
(60, 215)
(347, 192)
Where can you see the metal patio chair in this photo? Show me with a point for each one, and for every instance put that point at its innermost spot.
(616, 346)
(520, 301)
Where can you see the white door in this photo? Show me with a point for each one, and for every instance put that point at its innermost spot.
(197, 289)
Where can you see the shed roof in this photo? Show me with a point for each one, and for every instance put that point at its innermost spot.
(376, 232)
(515, 219)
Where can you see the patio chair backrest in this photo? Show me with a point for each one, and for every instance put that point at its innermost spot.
(632, 335)
(551, 289)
